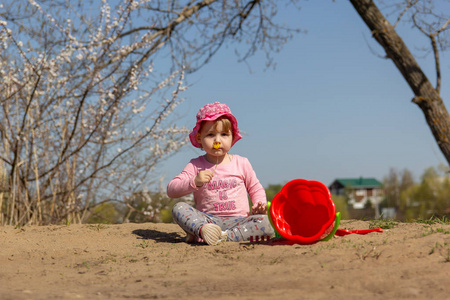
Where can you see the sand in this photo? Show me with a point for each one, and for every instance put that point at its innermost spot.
(152, 261)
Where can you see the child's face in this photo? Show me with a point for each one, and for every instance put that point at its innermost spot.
(210, 134)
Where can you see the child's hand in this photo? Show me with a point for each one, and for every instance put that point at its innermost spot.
(203, 177)
(259, 209)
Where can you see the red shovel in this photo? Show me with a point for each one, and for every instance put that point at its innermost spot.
(342, 232)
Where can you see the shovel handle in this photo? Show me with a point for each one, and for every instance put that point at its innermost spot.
(342, 232)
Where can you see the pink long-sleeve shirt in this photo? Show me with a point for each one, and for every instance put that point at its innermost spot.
(226, 193)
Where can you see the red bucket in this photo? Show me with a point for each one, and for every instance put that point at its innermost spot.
(303, 212)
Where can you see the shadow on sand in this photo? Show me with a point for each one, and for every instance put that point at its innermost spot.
(158, 236)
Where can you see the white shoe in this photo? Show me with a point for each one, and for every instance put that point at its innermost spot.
(212, 234)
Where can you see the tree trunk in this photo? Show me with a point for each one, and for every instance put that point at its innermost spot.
(426, 96)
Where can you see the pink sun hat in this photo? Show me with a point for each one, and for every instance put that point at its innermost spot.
(211, 112)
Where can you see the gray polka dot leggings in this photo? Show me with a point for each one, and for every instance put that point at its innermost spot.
(238, 228)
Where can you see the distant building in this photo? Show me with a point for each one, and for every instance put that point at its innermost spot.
(360, 192)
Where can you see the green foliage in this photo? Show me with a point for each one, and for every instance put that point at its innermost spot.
(383, 223)
(166, 215)
(272, 190)
(105, 213)
(141, 207)
(434, 220)
(429, 199)
(341, 205)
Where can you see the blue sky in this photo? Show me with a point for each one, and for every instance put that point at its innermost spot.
(330, 109)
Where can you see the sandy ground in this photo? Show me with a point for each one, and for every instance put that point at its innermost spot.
(151, 261)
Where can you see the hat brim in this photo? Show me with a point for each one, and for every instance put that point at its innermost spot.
(193, 135)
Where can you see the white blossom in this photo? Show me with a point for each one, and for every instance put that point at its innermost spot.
(80, 112)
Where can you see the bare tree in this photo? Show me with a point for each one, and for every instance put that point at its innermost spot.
(87, 91)
(434, 24)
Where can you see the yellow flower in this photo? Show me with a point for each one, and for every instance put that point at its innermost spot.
(216, 145)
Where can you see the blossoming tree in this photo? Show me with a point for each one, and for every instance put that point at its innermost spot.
(88, 89)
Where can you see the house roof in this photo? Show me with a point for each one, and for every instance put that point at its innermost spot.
(358, 182)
